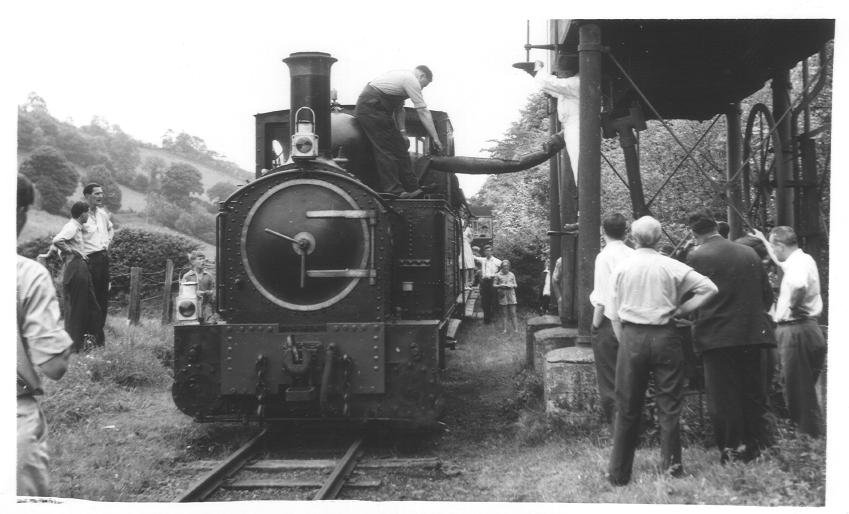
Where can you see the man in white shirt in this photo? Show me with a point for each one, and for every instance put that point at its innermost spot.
(489, 268)
(801, 345)
(646, 293)
(41, 345)
(567, 92)
(82, 312)
(605, 344)
(96, 239)
(380, 113)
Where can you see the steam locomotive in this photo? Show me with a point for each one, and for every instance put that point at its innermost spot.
(334, 300)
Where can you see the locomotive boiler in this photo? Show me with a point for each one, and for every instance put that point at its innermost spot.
(334, 300)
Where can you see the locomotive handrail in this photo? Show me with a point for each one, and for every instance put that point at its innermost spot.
(340, 273)
(347, 214)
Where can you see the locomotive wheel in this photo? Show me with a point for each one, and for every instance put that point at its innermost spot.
(761, 149)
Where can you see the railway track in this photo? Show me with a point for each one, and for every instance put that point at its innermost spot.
(279, 479)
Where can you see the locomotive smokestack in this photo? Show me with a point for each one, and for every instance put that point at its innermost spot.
(310, 74)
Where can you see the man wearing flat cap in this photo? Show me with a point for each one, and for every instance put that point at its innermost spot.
(730, 332)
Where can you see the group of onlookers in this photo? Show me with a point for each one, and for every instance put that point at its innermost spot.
(641, 297)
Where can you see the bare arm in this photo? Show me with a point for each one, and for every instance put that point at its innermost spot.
(697, 300)
(427, 121)
(760, 235)
(617, 329)
(401, 119)
(598, 315)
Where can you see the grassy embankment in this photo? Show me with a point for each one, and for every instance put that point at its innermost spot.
(116, 436)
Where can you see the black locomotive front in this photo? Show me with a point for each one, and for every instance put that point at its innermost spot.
(333, 300)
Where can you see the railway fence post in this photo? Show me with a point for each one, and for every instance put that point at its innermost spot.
(166, 292)
(134, 311)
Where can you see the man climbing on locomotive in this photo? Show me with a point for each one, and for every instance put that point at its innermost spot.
(380, 112)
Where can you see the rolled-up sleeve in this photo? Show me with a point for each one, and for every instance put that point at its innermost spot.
(39, 315)
(695, 282)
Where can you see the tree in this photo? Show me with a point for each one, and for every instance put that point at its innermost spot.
(154, 167)
(111, 190)
(124, 153)
(179, 182)
(140, 183)
(53, 176)
(220, 191)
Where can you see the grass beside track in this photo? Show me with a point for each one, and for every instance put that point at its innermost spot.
(116, 436)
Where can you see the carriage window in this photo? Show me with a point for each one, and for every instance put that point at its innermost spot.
(279, 151)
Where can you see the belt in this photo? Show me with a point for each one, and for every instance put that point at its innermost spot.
(671, 324)
(98, 253)
(793, 321)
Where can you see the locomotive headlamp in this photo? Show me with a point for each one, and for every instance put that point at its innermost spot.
(304, 140)
(186, 305)
(187, 308)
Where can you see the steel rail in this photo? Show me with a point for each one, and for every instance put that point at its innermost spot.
(337, 478)
(207, 484)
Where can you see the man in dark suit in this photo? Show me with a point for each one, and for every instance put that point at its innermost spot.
(730, 332)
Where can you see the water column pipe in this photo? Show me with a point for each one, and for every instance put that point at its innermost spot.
(589, 170)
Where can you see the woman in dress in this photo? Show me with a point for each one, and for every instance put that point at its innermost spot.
(505, 283)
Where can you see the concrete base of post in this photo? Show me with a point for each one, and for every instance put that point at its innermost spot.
(570, 386)
(549, 339)
(534, 325)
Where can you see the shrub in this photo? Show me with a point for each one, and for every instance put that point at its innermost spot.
(148, 250)
(140, 182)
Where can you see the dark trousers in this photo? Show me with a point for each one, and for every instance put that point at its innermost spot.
(605, 348)
(82, 313)
(488, 299)
(392, 162)
(98, 266)
(801, 348)
(742, 421)
(644, 350)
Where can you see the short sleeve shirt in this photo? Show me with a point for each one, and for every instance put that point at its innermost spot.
(648, 287)
(800, 272)
(489, 266)
(38, 313)
(605, 262)
(400, 83)
(98, 231)
(72, 234)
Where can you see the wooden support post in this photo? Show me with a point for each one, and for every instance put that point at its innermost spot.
(785, 196)
(135, 295)
(166, 292)
(734, 152)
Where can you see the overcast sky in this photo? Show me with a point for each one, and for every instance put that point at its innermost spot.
(206, 67)
(206, 71)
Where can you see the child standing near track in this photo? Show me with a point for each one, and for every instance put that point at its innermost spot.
(505, 284)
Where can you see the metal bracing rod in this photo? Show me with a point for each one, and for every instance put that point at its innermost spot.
(682, 161)
(718, 188)
(613, 169)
